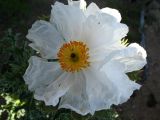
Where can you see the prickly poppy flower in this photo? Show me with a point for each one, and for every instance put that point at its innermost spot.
(83, 64)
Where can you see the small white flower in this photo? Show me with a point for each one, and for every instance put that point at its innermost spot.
(90, 73)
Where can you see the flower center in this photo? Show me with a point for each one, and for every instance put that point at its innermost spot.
(73, 56)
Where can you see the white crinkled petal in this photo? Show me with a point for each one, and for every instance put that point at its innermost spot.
(136, 57)
(76, 97)
(57, 89)
(79, 4)
(47, 80)
(96, 34)
(120, 31)
(101, 92)
(45, 39)
(115, 72)
(102, 27)
(40, 74)
(112, 12)
(68, 20)
(102, 30)
(100, 54)
(133, 57)
(92, 9)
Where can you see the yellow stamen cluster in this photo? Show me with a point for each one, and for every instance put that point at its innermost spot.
(73, 56)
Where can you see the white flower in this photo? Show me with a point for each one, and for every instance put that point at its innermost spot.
(90, 73)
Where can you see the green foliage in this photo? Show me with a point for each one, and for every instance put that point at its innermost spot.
(44, 17)
(13, 64)
(136, 75)
(124, 42)
(13, 107)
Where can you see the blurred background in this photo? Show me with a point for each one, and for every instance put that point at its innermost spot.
(17, 103)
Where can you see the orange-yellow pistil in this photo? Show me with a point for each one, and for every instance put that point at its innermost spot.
(73, 56)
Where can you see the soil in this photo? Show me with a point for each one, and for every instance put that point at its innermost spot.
(146, 104)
